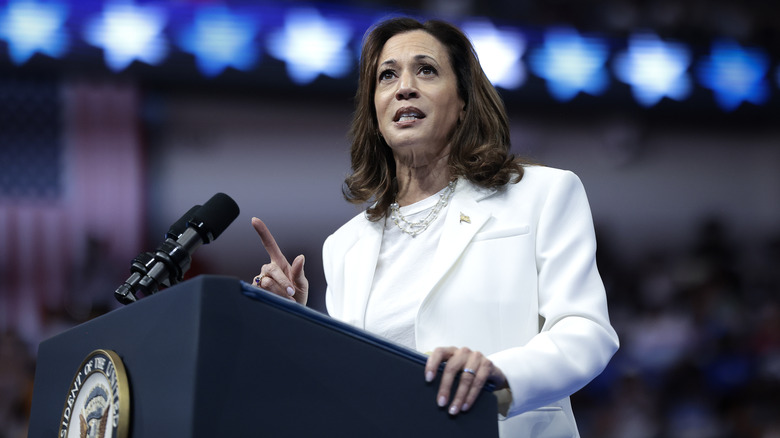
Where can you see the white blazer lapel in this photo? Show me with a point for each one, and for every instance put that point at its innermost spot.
(359, 267)
(464, 219)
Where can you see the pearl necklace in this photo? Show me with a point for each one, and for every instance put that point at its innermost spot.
(415, 228)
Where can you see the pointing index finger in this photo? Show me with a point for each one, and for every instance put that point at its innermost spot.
(270, 244)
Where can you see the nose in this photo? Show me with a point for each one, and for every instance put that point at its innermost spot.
(407, 88)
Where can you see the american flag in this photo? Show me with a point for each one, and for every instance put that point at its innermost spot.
(71, 198)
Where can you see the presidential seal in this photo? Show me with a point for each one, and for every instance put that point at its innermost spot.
(98, 402)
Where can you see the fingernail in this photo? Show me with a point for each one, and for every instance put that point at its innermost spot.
(290, 291)
(453, 410)
(442, 401)
(429, 376)
(465, 407)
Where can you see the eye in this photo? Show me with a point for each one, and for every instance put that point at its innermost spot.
(427, 70)
(386, 75)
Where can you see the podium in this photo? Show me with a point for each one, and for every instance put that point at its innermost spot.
(216, 357)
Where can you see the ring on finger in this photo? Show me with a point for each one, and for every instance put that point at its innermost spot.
(259, 279)
(470, 371)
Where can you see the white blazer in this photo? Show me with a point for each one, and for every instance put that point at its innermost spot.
(514, 277)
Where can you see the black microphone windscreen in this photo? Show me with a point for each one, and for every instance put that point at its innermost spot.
(216, 214)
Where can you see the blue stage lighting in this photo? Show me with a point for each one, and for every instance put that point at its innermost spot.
(735, 74)
(31, 27)
(655, 69)
(220, 39)
(127, 32)
(500, 53)
(571, 63)
(777, 75)
(310, 45)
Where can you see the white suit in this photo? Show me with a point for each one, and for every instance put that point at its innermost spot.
(514, 277)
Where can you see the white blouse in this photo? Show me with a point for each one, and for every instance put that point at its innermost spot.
(403, 263)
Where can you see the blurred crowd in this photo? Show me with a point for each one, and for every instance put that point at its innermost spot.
(17, 364)
(17, 367)
(700, 333)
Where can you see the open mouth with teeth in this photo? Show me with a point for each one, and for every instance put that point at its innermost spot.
(408, 114)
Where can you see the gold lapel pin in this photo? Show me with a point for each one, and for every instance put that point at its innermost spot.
(464, 218)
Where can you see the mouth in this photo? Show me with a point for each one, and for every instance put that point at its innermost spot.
(407, 114)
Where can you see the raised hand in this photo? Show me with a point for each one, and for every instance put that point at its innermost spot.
(279, 276)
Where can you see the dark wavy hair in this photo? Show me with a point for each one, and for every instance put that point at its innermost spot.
(479, 145)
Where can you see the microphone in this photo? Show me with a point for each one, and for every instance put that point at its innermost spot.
(178, 227)
(172, 259)
(140, 265)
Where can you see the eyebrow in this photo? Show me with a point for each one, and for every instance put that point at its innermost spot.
(416, 58)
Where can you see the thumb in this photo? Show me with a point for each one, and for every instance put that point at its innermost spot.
(296, 271)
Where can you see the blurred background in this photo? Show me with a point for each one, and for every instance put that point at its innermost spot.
(117, 117)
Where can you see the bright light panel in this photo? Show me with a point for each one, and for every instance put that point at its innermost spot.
(571, 64)
(655, 69)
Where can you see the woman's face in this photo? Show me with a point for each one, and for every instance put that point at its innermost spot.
(416, 98)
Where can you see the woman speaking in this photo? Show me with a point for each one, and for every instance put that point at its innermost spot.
(466, 252)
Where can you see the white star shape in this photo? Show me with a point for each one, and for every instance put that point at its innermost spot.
(571, 63)
(499, 53)
(654, 69)
(30, 27)
(128, 32)
(220, 39)
(735, 74)
(311, 45)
